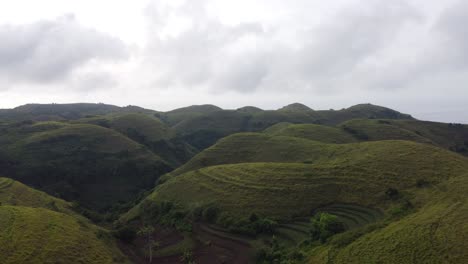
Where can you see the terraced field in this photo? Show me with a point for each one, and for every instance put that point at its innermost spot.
(325, 134)
(285, 189)
(353, 216)
(257, 147)
(435, 233)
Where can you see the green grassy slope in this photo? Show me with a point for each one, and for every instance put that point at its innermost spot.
(436, 233)
(49, 112)
(94, 165)
(150, 131)
(37, 235)
(449, 136)
(320, 133)
(39, 228)
(131, 123)
(15, 193)
(349, 173)
(202, 129)
(177, 115)
(258, 147)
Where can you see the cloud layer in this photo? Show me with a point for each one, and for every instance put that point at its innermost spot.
(410, 55)
(50, 50)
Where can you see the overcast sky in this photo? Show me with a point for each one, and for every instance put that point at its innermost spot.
(410, 55)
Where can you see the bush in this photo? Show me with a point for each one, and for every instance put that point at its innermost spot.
(324, 225)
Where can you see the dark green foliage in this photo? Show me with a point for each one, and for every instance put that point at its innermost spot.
(357, 134)
(392, 193)
(402, 208)
(324, 225)
(126, 234)
(210, 214)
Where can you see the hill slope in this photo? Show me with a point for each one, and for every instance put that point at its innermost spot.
(55, 112)
(435, 233)
(325, 134)
(94, 165)
(350, 173)
(149, 131)
(39, 228)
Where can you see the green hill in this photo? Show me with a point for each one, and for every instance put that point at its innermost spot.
(39, 228)
(149, 131)
(17, 194)
(93, 165)
(175, 116)
(56, 112)
(325, 134)
(449, 136)
(202, 129)
(348, 173)
(295, 107)
(435, 233)
(37, 235)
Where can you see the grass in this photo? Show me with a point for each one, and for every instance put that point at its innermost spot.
(82, 162)
(450, 136)
(38, 235)
(352, 216)
(435, 233)
(149, 131)
(257, 147)
(147, 126)
(15, 193)
(350, 173)
(325, 134)
(39, 228)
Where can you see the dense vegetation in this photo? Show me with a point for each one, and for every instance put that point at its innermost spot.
(200, 184)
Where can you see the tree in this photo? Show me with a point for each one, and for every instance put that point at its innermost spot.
(146, 232)
(324, 225)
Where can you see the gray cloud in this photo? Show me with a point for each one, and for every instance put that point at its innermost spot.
(247, 57)
(50, 50)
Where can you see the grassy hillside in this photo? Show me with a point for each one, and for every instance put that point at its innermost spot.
(15, 193)
(177, 115)
(449, 136)
(91, 164)
(39, 228)
(350, 173)
(204, 128)
(131, 123)
(37, 235)
(435, 233)
(325, 134)
(56, 112)
(257, 147)
(149, 131)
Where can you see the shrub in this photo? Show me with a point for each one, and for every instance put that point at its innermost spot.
(324, 225)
